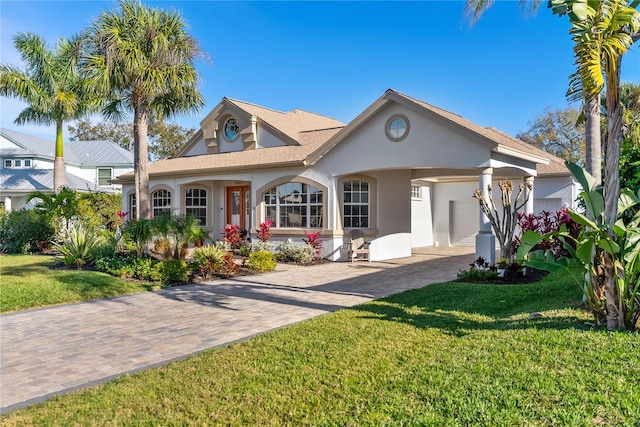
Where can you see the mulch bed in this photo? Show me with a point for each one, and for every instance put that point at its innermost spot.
(532, 276)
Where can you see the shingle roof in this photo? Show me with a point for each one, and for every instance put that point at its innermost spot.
(94, 153)
(291, 123)
(21, 180)
(318, 134)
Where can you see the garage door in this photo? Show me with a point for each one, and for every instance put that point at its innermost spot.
(550, 205)
(464, 217)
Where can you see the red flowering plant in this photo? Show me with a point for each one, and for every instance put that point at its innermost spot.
(546, 222)
(233, 235)
(313, 240)
(264, 232)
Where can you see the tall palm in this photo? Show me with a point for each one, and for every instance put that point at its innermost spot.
(142, 58)
(591, 110)
(51, 87)
(602, 32)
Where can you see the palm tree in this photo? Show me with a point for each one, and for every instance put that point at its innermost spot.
(602, 31)
(50, 85)
(141, 59)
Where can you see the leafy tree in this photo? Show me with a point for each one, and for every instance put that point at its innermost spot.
(556, 132)
(141, 59)
(118, 133)
(50, 85)
(165, 139)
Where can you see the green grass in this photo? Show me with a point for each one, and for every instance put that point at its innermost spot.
(449, 354)
(27, 281)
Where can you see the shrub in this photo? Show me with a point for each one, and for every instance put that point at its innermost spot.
(106, 246)
(546, 222)
(479, 271)
(264, 232)
(313, 240)
(25, 231)
(228, 264)
(133, 266)
(262, 261)
(96, 209)
(290, 252)
(172, 271)
(233, 235)
(261, 246)
(77, 245)
(209, 259)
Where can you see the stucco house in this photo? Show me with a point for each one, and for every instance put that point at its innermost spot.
(403, 172)
(27, 166)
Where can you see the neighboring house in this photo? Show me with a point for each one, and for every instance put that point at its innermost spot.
(403, 172)
(27, 166)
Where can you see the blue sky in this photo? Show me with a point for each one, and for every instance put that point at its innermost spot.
(336, 58)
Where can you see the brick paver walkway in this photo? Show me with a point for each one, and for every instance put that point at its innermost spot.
(55, 350)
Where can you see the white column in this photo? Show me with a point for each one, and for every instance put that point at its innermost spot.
(485, 240)
(528, 192)
(7, 203)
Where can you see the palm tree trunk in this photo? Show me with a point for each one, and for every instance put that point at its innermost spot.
(140, 159)
(615, 316)
(59, 168)
(593, 138)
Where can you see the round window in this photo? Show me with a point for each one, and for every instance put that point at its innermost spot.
(231, 129)
(397, 127)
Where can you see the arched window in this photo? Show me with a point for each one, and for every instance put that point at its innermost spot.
(355, 204)
(294, 204)
(161, 202)
(195, 204)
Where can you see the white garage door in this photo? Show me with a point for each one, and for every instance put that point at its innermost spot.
(550, 205)
(464, 219)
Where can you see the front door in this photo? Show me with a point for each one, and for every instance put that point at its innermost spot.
(238, 206)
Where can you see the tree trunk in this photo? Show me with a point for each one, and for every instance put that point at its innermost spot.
(140, 160)
(593, 138)
(612, 190)
(59, 168)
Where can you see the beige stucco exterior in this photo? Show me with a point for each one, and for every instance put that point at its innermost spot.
(439, 152)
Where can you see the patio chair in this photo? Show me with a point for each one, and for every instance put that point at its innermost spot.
(358, 248)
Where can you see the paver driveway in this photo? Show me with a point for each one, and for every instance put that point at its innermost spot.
(54, 350)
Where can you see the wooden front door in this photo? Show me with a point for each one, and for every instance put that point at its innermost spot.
(238, 206)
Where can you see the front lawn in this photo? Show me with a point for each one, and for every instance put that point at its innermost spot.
(448, 354)
(27, 281)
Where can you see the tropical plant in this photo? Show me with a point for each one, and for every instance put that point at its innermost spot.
(60, 208)
(51, 87)
(264, 231)
(233, 235)
(141, 59)
(99, 210)
(139, 231)
(610, 265)
(504, 226)
(77, 245)
(209, 259)
(314, 241)
(546, 222)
